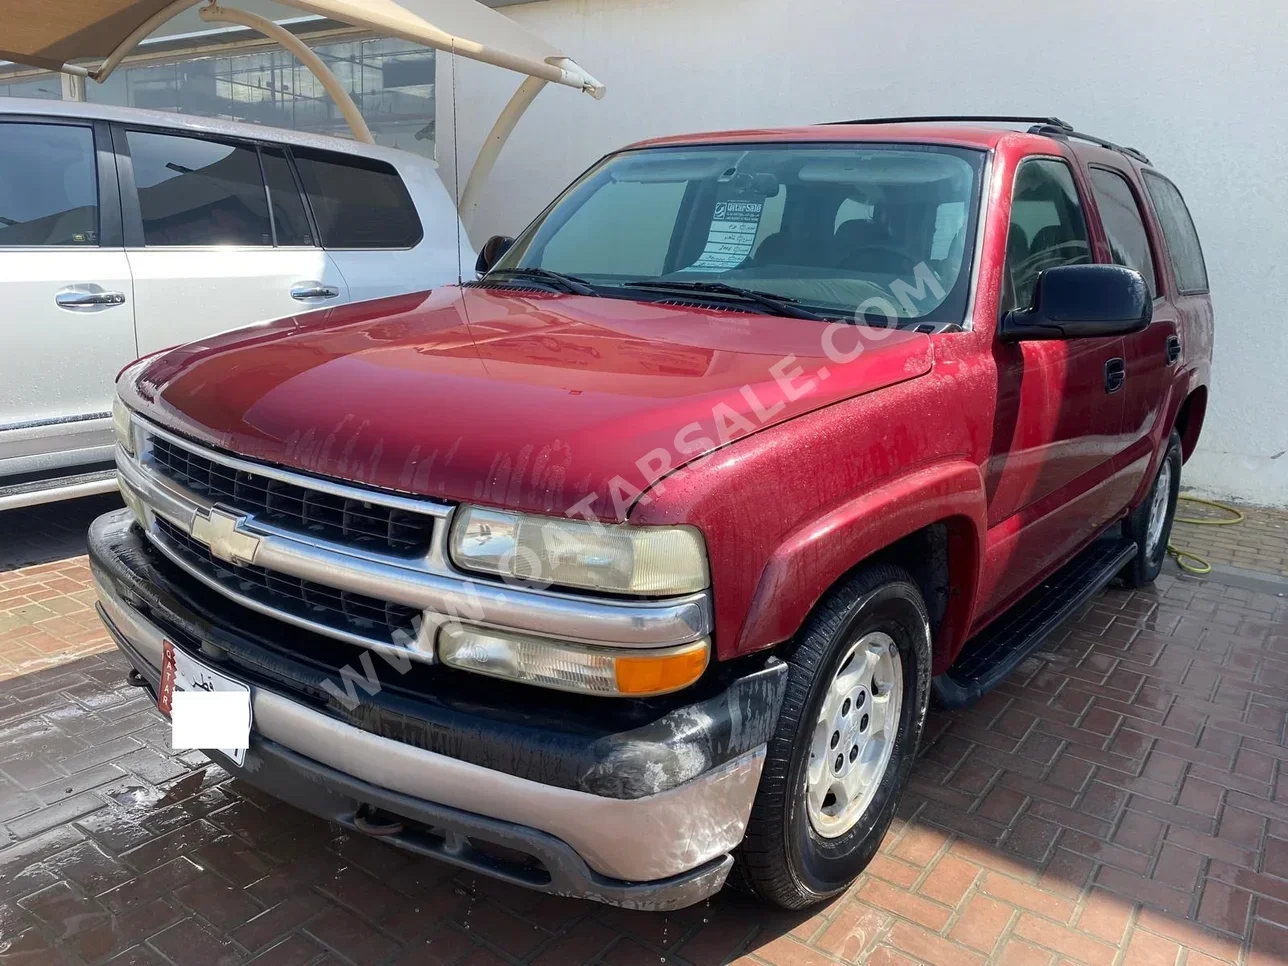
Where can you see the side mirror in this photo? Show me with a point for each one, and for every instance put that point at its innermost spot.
(491, 252)
(1082, 302)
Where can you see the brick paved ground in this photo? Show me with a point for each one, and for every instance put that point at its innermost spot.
(46, 604)
(1259, 543)
(1119, 801)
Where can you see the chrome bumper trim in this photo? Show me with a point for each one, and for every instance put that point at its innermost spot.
(638, 840)
(429, 584)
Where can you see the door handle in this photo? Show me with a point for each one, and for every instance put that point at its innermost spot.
(314, 290)
(1115, 375)
(79, 298)
(1173, 349)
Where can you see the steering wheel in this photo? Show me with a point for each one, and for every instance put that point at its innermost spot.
(1061, 254)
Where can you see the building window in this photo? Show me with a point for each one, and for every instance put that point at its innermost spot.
(46, 86)
(391, 81)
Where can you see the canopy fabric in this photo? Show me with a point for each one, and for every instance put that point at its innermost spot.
(54, 33)
(51, 33)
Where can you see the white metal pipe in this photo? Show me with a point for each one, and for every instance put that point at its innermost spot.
(408, 26)
(588, 84)
(166, 13)
(217, 14)
(491, 149)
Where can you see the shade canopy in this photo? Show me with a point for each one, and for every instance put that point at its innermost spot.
(51, 33)
(54, 34)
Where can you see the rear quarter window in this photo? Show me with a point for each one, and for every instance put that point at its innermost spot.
(357, 202)
(1183, 248)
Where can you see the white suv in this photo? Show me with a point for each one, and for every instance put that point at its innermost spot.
(123, 232)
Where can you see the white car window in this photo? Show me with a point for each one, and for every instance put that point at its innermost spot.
(358, 202)
(48, 185)
(198, 192)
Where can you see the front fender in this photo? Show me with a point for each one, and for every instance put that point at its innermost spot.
(816, 555)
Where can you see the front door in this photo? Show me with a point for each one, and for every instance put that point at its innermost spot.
(1059, 411)
(67, 324)
(218, 237)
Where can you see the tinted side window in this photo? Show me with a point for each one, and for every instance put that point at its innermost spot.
(358, 203)
(1182, 240)
(198, 192)
(289, 219)
(48, 185)
(1047, 228)
(1128, 240)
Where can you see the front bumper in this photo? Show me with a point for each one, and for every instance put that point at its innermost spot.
(662, 850)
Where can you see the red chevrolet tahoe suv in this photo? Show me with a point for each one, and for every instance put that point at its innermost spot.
(638, 560)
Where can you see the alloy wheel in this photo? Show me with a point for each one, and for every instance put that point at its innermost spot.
(855, 735)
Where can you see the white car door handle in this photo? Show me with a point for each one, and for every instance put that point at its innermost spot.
(79, 298)
(314, 290)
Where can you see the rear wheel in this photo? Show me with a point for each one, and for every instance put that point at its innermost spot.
(858, 686)
(1150, 524)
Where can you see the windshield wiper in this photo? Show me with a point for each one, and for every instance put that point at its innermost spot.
(566, 283)
(779, 304)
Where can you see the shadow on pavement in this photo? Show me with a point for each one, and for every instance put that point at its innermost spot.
(54, 531)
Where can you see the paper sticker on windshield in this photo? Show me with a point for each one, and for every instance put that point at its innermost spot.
(734, 225)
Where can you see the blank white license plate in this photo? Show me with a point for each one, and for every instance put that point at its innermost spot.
(231, 709)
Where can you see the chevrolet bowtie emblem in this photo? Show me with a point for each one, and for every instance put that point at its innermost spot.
(220, 531)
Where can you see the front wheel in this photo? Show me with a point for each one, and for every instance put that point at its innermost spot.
(857, 691)
(1150, 524)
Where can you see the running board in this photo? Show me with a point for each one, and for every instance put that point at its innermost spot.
(58, 488)
(1000, 648)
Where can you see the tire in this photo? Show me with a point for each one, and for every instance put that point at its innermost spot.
(1150, 553)
(783, 858)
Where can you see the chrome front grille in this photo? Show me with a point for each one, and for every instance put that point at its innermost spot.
(354, 563)
(315, 513)
(351, 614)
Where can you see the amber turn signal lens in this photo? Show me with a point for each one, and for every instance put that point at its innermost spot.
(658, 674)
(565, 666)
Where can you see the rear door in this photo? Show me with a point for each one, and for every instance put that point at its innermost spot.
(1150, 354)
(66, 305)
(368, 223)
(217, 236)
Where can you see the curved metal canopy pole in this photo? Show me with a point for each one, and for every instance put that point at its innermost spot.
(491, 149)
(217, 14)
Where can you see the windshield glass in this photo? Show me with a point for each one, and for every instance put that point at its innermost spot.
(865, 231)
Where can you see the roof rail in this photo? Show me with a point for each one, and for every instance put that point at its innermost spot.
(1052, 122)
(1049, 126)
(1065, 131)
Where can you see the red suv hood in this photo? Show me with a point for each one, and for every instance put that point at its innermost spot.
(530, 401)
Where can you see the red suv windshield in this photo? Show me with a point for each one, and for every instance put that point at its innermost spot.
(875, 230)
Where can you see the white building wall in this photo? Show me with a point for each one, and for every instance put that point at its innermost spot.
(1196, 85)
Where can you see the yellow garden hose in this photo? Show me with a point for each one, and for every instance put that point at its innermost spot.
(1191, 562)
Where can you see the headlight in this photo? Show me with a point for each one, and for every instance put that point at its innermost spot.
(123, 425)
(645, 561)
(625, 672)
